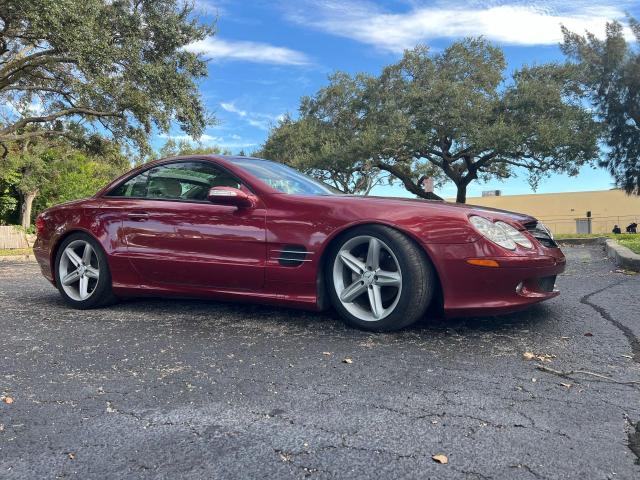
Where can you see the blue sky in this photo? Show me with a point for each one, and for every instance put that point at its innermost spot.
(266, 54)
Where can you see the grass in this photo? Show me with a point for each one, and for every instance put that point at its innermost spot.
(632, 244)
(560, 236)
(629, 240)
(5, 252)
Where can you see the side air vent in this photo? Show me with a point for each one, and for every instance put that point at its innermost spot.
(291, 255)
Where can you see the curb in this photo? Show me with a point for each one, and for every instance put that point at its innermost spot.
(582, 241)
(17, 258)
(623, 257)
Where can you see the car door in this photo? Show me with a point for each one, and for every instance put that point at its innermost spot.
(174, 235)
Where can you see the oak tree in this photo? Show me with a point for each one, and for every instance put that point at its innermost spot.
(453, 116)
(118, 66)
(610, 75)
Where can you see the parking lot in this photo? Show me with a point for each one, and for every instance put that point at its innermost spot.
(195, 389)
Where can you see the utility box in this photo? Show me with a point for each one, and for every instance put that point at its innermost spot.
(583, 225)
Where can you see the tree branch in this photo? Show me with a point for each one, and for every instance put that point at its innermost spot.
(484, 159)
(26, 64)
(408, 182)
(53, 116)
(38, 133)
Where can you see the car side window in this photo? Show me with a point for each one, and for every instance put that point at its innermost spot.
(189, 181)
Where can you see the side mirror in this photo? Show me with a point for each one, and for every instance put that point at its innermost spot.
(231, 196)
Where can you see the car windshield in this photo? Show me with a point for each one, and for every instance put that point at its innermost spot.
(283, 178)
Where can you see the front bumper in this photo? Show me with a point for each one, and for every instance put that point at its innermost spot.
(522, 278)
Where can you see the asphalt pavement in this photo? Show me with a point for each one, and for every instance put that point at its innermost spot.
(201, 389)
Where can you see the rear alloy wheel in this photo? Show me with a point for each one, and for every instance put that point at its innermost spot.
(82, 273)
(379, 279)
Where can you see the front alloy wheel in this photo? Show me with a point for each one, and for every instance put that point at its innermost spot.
(379, 278)
(369, 287)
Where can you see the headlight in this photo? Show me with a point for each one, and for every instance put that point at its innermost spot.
(515, 235)
(493, 232)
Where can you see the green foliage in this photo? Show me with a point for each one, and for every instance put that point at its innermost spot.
(74, 174)
(174, 148)
(47, 172)
(453, 116)
(610, 75)
(119, 66)
(8, 202)
(323, 142)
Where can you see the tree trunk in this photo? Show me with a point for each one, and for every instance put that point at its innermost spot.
(26, 202)
(461, 196)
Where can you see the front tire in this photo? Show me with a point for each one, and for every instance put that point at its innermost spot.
(82, 272)
(379, 279)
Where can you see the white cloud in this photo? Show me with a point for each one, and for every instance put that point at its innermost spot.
(514, 22)
(262, 121)
(216, 48)
(236, 145)
(261, 124)
(232, 142)
(204, 138)
(230, 107)
(208, 7)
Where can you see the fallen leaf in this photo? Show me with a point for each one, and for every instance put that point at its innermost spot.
(588, 334)
(545, 357)
(71, 456)
(440, 458)
(626, 272)
(542, 357)
(567, 385)
(564, 338)
(347, 360)
(7, 400)
(285, 457)
(326, 353)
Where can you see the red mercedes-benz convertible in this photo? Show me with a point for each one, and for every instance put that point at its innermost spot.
(237, 228)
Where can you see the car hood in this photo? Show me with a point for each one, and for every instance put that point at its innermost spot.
(444, 207)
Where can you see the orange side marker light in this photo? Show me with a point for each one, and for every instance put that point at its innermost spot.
(483, 262)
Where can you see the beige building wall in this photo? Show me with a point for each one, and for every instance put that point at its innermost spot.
(559, 211)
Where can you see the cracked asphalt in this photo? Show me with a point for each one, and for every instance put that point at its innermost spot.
(194, 389)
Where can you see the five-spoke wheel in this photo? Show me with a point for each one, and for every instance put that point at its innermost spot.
(79, 270)
(379, 279)
(82, 273)
(367, 277)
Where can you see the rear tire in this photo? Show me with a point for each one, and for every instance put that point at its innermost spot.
(378, 279)
(82, 272)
